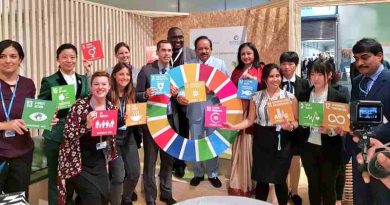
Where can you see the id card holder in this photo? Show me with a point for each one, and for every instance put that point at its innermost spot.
(9, 133)
(101, 145)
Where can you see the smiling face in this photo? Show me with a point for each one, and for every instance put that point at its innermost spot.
(203, 50)
(247, 56)
(176, 38)
(274, 79)
(67, 60)
(100, 86)
(123, 55)
(122, 77)
(164, 53)
(9, 60)
(318, 79)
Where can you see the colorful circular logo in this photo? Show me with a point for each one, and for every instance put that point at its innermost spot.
(201, 149)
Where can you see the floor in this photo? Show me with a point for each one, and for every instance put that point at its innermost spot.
(181, 188)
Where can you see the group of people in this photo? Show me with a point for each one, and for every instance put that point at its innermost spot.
(106, 169)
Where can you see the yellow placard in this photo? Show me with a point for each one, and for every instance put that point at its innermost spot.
(195, 92)
(336, 115)
(280, 110)
(135, 114)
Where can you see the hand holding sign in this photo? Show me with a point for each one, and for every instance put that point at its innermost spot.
(92, 50)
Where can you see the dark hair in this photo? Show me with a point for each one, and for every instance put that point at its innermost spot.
(331, 67)
(10, 43)
(129, 89)
(289, 56)
(170, 30)
(369, 45)
(203, 38)
(120, 45)
(256, 60)
(100, 74)
(162, 42)
(64, 47)
(265, 73)
(262, 63)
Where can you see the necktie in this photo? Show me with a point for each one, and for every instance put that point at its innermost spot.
(290, 87)
(163, 71)
(363, 87)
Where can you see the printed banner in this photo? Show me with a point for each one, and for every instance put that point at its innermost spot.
(246, 88)
(38, 114)
(161, 83)
(135, 114)
(92, 50)
(215, 116)
(311, 114)
(336, 115)
(195, 92)
(280, 110)
(105, 123)
(64, 96)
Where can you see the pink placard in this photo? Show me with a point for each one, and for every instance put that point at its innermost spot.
(215, 116)
(105, 123)
(92, 50)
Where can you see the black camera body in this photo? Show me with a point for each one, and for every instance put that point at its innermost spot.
(366, 114)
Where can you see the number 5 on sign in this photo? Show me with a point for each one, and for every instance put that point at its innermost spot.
(336, 115)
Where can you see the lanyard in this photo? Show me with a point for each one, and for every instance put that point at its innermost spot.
(177, 56)
(7, 113)
(121, 108)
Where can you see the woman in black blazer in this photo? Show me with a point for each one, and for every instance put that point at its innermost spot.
(322, 151)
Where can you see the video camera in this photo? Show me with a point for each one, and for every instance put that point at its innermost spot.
(364, 116)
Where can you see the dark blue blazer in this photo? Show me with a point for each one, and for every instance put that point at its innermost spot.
(374, 192)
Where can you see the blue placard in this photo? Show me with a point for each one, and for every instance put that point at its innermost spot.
(246, 88)
(161, 83)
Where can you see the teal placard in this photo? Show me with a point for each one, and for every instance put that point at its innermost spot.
(311, 114)
(37, 114)
(64, 96)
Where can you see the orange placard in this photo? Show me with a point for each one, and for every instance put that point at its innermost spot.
(195, 92)
(336, 115)
(280, 110)
(135, 114)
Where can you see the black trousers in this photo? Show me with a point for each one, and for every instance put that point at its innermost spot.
(15, 176)
(321, 175)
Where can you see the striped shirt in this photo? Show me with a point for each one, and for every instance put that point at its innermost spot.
(261, 100)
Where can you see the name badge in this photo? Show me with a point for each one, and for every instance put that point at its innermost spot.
(9, 133)
(101, 145)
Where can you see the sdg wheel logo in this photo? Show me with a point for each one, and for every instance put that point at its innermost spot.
(189, 149)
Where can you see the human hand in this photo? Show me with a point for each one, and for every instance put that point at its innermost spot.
(174, 91)
(90, 117)
(87, 67)
(183, 100)
(150, 92)
(17, 124)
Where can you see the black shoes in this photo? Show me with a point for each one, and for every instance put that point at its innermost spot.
(179, 172)
(134, 197)
(196, 181)
(168, 201)
(215, 182)
(295, 199)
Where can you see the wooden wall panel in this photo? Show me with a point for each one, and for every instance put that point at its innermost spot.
(267, 27)
(41, 26)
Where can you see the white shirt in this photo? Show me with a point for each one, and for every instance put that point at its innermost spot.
(315, 135)
(70, 79)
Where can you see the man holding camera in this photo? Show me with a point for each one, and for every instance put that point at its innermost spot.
(372, 84)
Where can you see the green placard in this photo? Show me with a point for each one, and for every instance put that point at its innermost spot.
(64, 96)
(37, 114)
(311, 114)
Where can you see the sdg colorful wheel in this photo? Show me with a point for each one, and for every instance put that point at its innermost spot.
(201, 149)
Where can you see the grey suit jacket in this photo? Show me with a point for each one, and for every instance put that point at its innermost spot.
(143, 83)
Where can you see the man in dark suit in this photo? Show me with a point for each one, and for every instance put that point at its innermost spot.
(151, 149)
(295, 85)
(180, 56)
(372, 84)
